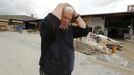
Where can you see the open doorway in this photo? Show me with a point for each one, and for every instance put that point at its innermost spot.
(117, 29)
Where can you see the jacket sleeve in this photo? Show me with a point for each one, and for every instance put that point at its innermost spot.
(80, 32)
(48, 26)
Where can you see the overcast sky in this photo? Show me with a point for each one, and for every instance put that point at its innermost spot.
(42, 7)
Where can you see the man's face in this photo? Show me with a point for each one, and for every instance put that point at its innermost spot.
(66, 18)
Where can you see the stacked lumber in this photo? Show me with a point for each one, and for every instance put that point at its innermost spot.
(12, 28)
(3, 26)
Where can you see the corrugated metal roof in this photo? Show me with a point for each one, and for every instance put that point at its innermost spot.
(107, 14)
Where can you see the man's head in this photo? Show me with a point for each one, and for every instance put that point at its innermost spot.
(67, 16)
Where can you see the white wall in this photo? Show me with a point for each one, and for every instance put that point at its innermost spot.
(95, 21)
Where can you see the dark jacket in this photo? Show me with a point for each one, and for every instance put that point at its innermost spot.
(57, 51)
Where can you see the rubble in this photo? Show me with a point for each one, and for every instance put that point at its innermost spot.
(109, 42)
(83, 48)
(102, 43)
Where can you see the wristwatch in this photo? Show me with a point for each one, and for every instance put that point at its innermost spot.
(76, 16)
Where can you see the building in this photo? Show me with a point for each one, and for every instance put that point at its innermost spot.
(19, 20)
(114, 25)
(130, 8)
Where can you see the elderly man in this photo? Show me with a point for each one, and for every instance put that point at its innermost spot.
(57, 51)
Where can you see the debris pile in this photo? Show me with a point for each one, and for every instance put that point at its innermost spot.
(99, 43)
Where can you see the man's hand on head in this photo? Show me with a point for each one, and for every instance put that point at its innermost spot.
(58, 10)
(79, 21)
(63, 5)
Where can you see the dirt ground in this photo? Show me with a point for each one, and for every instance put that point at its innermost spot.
(20, 53)
(128, 51)
(122, 62)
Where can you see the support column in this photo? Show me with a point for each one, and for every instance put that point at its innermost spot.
(131, 31)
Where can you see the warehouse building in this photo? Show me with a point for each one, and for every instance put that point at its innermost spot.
(114, 25)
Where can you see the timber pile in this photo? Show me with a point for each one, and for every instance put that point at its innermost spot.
(83, 48)
(3, 26)
(12, 28)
